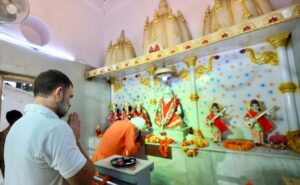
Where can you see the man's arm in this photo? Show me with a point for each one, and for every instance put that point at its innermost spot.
(85, 175)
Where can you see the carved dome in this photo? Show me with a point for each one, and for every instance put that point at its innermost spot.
(226, 13)
(165, 30)
(122, 50)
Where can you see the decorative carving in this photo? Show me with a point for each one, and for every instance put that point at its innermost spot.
(145, 82)
(288, 87)
(230, 13)
(116, 86)
(184, 74)
(202, 69)
(194, 97)
(190, 60)
(279, 40)
(268, 57)
(166, 29)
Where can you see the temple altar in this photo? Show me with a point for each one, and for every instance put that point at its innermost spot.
(235, 64)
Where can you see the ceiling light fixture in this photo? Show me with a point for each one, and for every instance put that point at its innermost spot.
(165, 73)
(18, 42)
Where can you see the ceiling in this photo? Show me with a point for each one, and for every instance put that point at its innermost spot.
(83, 28)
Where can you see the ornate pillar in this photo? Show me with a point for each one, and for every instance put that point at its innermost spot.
(287, 87)
(190, 61)
(153, 102)
(112, 81)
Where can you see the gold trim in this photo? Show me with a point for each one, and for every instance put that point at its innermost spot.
(259, 10)
(112, 80)
(201, 69)
(184, 74)
(204, 42)
(116, 86)
(247, 27)
(151, 70)
(153, 102)
(279, 40)
(296, 10)
(217, 25)
(273, 18)
(268, 57)
(207, 21)
(218, 4)
(145, 82)
(198, 133)
(194, 97)
(246, 12)
(230, 13)
(190, 60)
(288, 87)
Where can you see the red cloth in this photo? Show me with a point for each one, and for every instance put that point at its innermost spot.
(174, 120)
(263, 121)
(117, 139)
(218, 122)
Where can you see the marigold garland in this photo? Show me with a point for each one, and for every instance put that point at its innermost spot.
(152, 139)
(239, 145)
(164, 145)
(194, 151)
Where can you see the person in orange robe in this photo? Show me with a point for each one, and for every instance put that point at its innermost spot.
(121, 138)
(262, 126)
(218, 126)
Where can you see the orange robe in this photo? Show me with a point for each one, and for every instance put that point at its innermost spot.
(117, 139)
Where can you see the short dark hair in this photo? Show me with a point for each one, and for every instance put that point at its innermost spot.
(46, 82)
(12, 116)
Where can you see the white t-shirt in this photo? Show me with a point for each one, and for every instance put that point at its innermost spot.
(40, 149)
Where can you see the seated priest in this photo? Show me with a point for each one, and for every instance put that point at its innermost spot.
(121, 138)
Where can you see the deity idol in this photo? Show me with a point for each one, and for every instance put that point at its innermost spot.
(257, 121)
(169, 111)
(214, 119)
(114, 114)
(127, 112)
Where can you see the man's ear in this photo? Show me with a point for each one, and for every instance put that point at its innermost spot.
(58, 93)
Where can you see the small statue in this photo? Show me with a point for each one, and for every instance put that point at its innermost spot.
(169, 112)
(139, 111)
(214, 120)
(114, 114)
(257, 121)
(127, 112)
(98, 131)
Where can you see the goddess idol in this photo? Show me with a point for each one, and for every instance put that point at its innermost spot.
(169, 111)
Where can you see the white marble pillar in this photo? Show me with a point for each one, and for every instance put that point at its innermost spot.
(190, 61)
(287, 87)
(153, 101)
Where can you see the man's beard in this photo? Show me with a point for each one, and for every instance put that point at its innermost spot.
(61, 110)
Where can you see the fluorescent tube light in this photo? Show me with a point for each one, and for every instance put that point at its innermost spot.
(13, 40)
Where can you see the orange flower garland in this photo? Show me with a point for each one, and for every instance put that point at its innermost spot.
(164, 145)
(238, 145)
(152, 139)
(194, 151)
